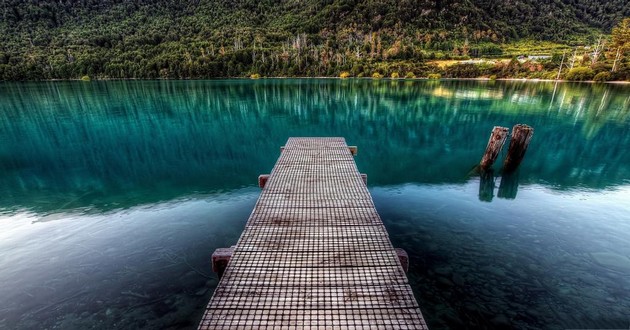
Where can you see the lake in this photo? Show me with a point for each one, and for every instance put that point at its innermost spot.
(114, 194)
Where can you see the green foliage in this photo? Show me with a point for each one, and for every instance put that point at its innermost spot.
(410, 75)
(85, 78)
(580, 74)
(377, 75)
(623, 73)
(434, 76)
(535, 47)
(463, 71)
(493, 77)
(621, 35)
(255, 76)
(602, 76)
(395, 75)
(48, 39)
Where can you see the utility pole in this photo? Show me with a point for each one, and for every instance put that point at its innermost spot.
(561, 64)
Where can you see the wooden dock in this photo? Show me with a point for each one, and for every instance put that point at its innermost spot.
(314, 253)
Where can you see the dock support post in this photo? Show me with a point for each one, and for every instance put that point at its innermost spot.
(220, 259)
(353, 150)
(262, 180)
(495, 144)
(364, 178)
(404, 258)
(521, 136)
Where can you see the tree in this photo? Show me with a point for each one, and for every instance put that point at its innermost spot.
(621, 35)
(580, 74)
(621, 40)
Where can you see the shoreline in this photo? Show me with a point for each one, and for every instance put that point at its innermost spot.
(617, 82)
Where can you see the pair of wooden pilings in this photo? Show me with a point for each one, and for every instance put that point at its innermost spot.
(521, 136)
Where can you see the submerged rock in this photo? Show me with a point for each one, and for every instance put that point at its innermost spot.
(445, 281)
(494, 271)
(201, 291)
(211, 283)
(612, 261)
(444, 270)
(459, 280)
(533, 313)
(501, 321)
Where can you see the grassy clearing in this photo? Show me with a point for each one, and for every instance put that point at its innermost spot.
(443, 63)
(533, 47)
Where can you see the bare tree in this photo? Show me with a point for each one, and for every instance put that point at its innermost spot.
(617, 58)
(598, 51)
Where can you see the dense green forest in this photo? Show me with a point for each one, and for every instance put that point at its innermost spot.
(63, 39)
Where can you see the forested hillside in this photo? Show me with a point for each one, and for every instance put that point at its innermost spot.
(46, 39)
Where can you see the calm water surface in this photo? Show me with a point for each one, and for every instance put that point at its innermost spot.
(113, 195)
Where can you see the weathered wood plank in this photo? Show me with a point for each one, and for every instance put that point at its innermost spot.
(286, 200)
(309, 277)
(314, 217)
(396, 296)
(316, 143)
(314, 239)
(275, 259)
(372, 318)
(290, 244)
(325, 232)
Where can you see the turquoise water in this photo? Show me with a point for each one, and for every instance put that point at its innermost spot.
(113, 195)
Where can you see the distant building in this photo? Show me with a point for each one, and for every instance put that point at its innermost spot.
(539, 57)
(477, 61)
(536, 58)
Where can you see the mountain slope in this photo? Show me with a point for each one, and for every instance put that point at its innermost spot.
(170, 38)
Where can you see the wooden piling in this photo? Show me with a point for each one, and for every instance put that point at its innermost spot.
(353, 150)
(521, 136)
(495, 144)
(403, 257)
(220, 259)
(262, 180)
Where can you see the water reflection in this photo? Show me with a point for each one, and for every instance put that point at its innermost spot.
(509, 185)
(486, 185)
(72, 144)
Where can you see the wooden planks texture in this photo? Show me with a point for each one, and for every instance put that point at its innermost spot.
(314, 253)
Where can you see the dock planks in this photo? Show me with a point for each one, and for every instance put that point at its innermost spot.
(314, 253)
